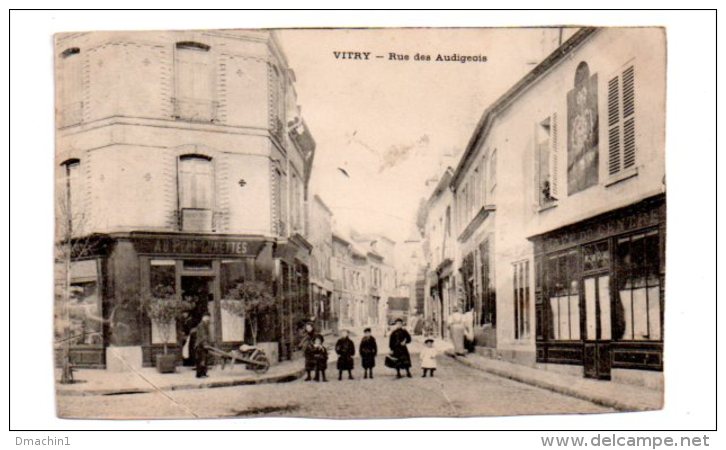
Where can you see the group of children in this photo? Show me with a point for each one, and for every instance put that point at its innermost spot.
(316, 356)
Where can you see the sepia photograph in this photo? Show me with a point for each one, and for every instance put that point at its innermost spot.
(359, 223)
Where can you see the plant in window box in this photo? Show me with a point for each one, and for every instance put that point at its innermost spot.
(163, 309)
(547, 193)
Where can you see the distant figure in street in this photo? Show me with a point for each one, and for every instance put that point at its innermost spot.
(398, 343)
(306, 345)
(202, 339)
(428, 357)
(469, 343)
(368, 351)
(345, 349)
(457, 329)
(320, 356)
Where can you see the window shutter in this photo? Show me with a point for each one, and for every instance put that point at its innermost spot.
(629, 117)
(621, 121)
(554, 158)
(614, 126)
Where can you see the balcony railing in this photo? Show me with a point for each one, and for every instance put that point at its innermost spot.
(196, 220)
(195, 110)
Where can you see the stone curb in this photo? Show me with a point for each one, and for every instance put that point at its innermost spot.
(554, 387)
(280, 378)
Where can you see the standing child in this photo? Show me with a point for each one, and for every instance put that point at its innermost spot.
(320, 356)
(345, 348)
(368, 352)
(428, 357)
(306, 344)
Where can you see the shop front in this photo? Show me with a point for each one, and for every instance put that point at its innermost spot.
(202, 270)
(600, 291)
(443, 294)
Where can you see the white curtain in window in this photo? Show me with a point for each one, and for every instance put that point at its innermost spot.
(640, 312)
(654, 313)
(233, 327)
(574, 317)
(605, 321)
(590, 309)
(626, 303)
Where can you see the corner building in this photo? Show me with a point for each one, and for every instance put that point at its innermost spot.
(186, 161)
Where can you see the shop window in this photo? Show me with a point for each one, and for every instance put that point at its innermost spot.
(547, 161)
(196, 192)
(195, 78)
(621, 122)
(70, 87)
(488, 312)
(197, 264)
(163, 278)
(232, 275)
(595, 257)
(467, 275)
(162, 282)
(520, 279)
(82, 313)
(638, 311)
(564, 299)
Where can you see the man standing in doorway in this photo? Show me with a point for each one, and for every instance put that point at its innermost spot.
(201, 342)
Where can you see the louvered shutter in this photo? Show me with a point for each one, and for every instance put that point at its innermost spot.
(621, 121)
(554, 158)
(628, 117)
(614, 126)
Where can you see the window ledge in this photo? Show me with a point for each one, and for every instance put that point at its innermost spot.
(548, 206)
(622, 176)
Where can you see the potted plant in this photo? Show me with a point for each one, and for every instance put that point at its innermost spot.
(250, 300)
(163, 309)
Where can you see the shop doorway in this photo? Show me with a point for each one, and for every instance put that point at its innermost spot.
(198, 290)
(598, 327)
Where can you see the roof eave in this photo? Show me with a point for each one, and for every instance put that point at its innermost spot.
(489, 114)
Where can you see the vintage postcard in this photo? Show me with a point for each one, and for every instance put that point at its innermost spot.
(359, 223)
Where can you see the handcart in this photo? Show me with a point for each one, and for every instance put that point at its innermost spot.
(253, 357)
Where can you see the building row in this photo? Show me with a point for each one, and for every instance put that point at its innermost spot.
(183, 163)
(551, 228)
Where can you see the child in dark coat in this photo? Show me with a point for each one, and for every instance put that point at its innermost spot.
(320, 356)
(345, 348)
(306, 344)
(368, 352)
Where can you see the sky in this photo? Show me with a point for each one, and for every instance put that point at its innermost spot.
(391, 125)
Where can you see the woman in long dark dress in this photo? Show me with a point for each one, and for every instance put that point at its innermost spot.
(345, 349)
(398, 343)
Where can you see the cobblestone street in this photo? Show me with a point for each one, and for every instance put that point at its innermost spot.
(455, 391)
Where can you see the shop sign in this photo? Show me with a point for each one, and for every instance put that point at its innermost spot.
(186, 246)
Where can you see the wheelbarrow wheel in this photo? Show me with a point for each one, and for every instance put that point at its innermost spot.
(262, 364)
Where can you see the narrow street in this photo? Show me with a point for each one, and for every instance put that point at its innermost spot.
(455, 391)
